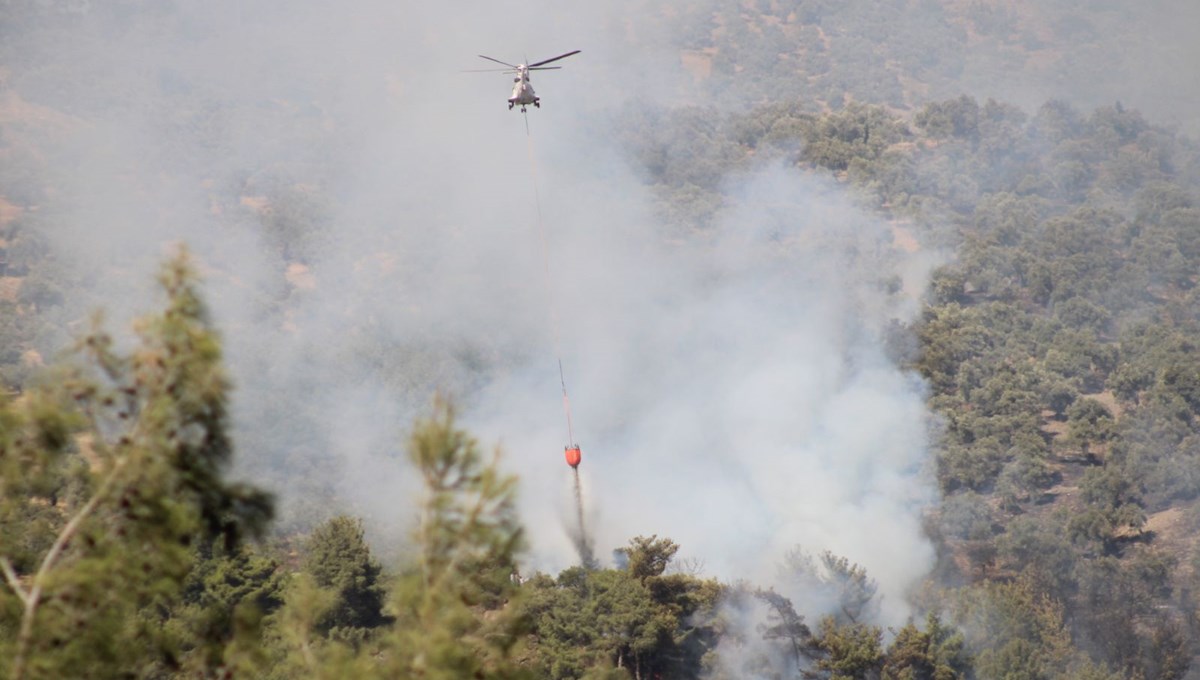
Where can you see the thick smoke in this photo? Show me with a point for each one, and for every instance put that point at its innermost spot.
(732, 392)
(365, 216)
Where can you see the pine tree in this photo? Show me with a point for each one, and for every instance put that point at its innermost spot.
(456, 606)
(131, 452)
(339, 560)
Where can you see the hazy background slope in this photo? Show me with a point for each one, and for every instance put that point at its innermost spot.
(904, 53)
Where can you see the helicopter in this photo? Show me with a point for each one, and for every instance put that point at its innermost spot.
(522, 92)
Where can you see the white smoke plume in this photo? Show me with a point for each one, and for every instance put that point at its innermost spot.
(733, 392)
(366, 216)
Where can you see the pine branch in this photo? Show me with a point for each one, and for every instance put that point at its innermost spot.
(33, 598)
(13, 581)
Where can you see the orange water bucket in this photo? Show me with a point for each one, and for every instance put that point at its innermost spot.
(573, 455)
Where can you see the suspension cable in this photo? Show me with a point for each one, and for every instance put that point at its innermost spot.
(541, 226)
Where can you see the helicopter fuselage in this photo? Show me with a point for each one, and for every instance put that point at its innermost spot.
(522, 93)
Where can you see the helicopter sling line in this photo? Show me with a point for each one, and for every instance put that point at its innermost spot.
(555, 337)
(572, 451)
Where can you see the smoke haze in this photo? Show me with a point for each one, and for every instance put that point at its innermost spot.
(731, 390)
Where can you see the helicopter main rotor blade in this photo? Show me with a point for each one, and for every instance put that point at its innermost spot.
(499, 62)
(542, 68)
(487, 70)
(547, 61)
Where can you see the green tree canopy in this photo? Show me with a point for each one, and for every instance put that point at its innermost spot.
(141, 443)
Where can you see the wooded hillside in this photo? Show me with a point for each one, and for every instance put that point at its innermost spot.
(1057, 344)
